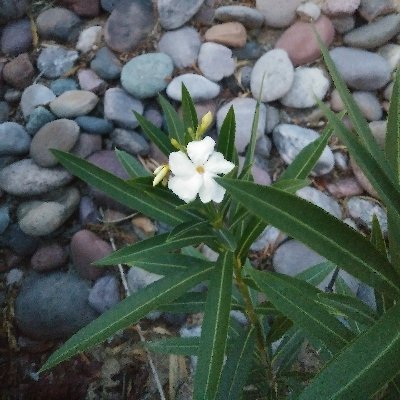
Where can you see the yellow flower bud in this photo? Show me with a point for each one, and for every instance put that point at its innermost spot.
(205, 123)
(176, 144)
(160, 173)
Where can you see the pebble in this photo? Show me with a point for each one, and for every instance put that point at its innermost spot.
(300, 43)
(175, 13)
(94, 125)
(362, 179)
(130, 141)
(4, 111)
(89, 39)
(90, 81)
(215, 61)
(26, 178)
(244, 112)
(278, 14)
(74, 103)
(88, 213)
(84, 8)
(19, 242)
(39, 117)
(11, 9)
(260, 175)
(263, 146)
(146, 75)
(343, 24)
(59, 86)
(273, 119)
(274, 73)
(19, 72)
(309, 84)
(387, 94)
(12, 95)
(186, 53)
(321, 200)
(33, 96)
(232, 34)
(249, 17)
(375, 33)
(104, 294)
(16, 37)
(199, 87)
(108, 5)
(344, 187)
(106, 64)
(53, 306)
(371, 9)
(339, 7)
(270, 239)
(14, 140)
(42, 217)
(48, 257)
(291, 139)
(118, 107)
(362, 211)
(391, 53)
(4, 218)
(244, 76)
(378, 129)
(251, 51)
(56, 61)
(361, 69)
(367, 295)
(86, 248)
(14, 277)
(60, 134)
(58, 24)
(308, 11)
(86, 145)
(129, 24)
(341, 160)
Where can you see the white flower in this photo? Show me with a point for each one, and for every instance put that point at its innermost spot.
(195, 174)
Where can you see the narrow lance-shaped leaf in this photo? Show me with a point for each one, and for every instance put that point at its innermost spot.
(176, 128)
(226, 137)
(317, 273)
(188, 111)
(132, 166)
(393, 237)
(183, 346)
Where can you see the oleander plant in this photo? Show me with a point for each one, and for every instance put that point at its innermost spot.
(206, 199)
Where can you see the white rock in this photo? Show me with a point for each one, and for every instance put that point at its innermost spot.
(33, 96)
(278, 14)
(308, 11)
(89, 39)
(391, 53)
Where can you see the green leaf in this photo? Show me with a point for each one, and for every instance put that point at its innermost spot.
(319, 230)
(226, 137)
(377, 238)
(131, 165)
(188, 111)
(393, 237)
(128, 312)
(183, 346)
(214, 329)
(137, 198)
(279, 327)
(291, 185)
(175, 126)
(317, 273)
(188, 228)
(192, 302)
(295, 299)
(364, 366)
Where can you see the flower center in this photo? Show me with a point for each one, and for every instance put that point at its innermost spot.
(200, 169)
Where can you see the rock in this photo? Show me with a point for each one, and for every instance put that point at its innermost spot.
(87, 211)
(244, 113)
(90, 81)
(39, 117)
(59, 86)
(361, 69)
(308, 11)
(94, 125)
(86, 248)
(154, 116)
(61, 134)
(58, 24)
(12, 9)
(345, 187)
(84, 8)
(86, 145)
(367, 295)
(25, 178)
(321, 200)
(362, 179)
(139, 278)
(106, 64)
(14, 277)
(4, 111)
(104, 294)
(270, 239)
(215, 61)
(250, 51)
(74, 103)
(370, 9)
(56, 61)
(232, 34)
(129, 24)
(378, 129)
(363, 210)
(387, 94)
(260, 175)
(300, 43)
(291, 139)
(89, 39)
(309, 84)
(4, 218)
(174, 13)
(343, 24)
(263, 146)
(48, 257)
(53, 306)
(14, 140)
(12, 96)
(186, 53)
(118, 107)
(199, 87)
(249, 17)
(391, 53)
(375, 33)
(278, 14)
(108, 5)
(19, 72)
(274, 73)
(19, 242)
(130, 141)
(339, 7)
(146, 75)
(16, 37)
(33, 96)
(245, 76)
(273, 119)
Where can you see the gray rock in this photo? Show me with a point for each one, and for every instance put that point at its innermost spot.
(119, 107)
(340, 7)
(199, 87)
(291, 139)
(94, 125)
(308, 11)
(14, 140)
(130, 141)
(74, 103)
(367, 295)
(86, 145)
(39, 117)
(14, 277)
(25, 178)
(186, 53)
(270, 239)
(33, 96)
(263, 146)
(12, 9)
(370, 9)
(343, 23)
(174, 13)
(89, 80)
(4, 111)
(251, 51)
(53, 306)
(89, 39)
(104, 294)
(4, 218)
(278, 14)
(146, 75)
(56, 61)
(87, 211)
(49, 256)
(249, 17)
(106, 64)
(361, 69)
(215, 61)
(378, 129)
(391, 53)
(19, 242)
(59, 86)
(108, 5)
(273, 119)
(369, 105)
(244, 76)
(16, 37)
(341, 160)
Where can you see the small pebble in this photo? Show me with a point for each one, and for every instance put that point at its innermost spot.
(308, 11)
(90, 81)
(106, 64)
(249, 17)
(55, 61)
(19, 72)
(231, 34)
(16, 37)
(175, 13)
(48, 257)
(104, 294)
(94, 125)
(74, 103)
(14, 140)
(59, 86)
(39, 117)
(89, 38)
(130, 141)
(33, 96)
(278, 14)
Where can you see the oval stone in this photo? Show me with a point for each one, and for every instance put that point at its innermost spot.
(74, 103)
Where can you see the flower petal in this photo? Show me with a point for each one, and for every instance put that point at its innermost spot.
(180, 164)
(186, 188)
(200, 150)
(217, 164)
(210, 190)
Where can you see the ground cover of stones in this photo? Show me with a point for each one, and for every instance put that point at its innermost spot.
(72, 71)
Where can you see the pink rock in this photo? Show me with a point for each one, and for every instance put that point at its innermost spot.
(345, 187)
(49, 257)
(84, 8)
(300, 42)
(362, 179)
(89, 80)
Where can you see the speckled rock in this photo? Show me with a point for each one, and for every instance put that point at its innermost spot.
(33, 96)
(74, 103)
(278, 14)
(48, 257)
(104, 294)
(14, 140)
(55, 61)
(16, 37)
(249, 17)
(231, 34)
(130, 141)
(174, 13)
(199, 87)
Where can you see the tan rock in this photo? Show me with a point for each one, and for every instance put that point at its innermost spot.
(232, 34)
